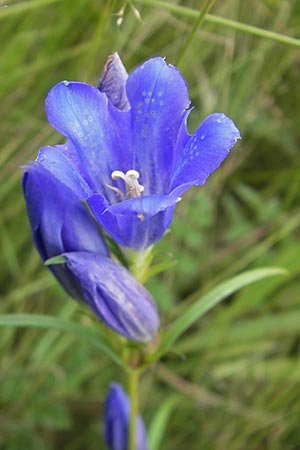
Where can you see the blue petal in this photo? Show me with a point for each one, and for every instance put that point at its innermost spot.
(148, 205)
(158, 98)
(59, 221)
(183, 136)
(70, 152)
(116, 421)
(113, 82)
(99, 132)
(136, 223)
(63, 169)
(204, 152)
(115, 295)
(62, 220)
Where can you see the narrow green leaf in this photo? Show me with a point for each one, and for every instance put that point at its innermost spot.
(55, 323)
(159, 423)
(197, 26)
(59, 259)
(160, 267)
(209, 300)
(233, 24)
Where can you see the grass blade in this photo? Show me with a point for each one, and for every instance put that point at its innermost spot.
(211, 299)
(222, 21)
(55, 323)
(159, 423)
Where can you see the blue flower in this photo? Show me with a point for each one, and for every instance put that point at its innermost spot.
(62, 225)
(128, 152)
(116, 421)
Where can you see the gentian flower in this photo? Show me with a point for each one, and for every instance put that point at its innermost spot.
(62, 225)
(128, 152)
(116, 421)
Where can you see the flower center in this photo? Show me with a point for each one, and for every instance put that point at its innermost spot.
(130, 178)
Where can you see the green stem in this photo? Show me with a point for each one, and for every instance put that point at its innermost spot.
(134, 406)
(200, 19)
(139, 263)
(233, 24)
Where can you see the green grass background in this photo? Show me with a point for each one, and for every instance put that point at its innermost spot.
(232, 383)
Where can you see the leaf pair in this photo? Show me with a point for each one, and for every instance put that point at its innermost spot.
(201, 306)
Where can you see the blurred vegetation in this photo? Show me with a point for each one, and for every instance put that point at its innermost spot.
(235, 376)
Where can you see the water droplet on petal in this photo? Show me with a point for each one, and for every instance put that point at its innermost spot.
(66, 83)
(221, 120)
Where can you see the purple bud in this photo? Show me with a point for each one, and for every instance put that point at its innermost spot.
(116, 421)
(113, 82)
(115, 295)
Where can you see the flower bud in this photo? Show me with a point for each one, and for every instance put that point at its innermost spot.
(62, 226)
(116, 421)
(113, 82)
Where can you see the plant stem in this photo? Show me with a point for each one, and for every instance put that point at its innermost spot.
(200, 19)
(233, 24)
(139, 263)
(134, 406)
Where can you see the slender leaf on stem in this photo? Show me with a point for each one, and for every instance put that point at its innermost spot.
(160, 421)
(55, 323)
(160, 267)
(59, 259)
(209, 300)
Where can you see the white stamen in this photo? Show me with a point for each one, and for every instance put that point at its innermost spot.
(118, 174)
(116, 190)
(134, 189)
